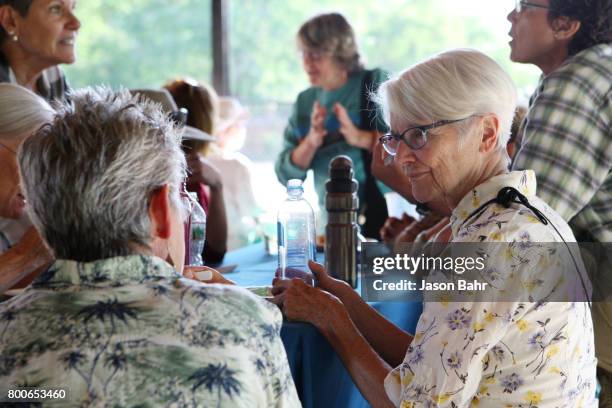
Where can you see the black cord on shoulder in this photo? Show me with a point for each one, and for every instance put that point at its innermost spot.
(505, 197)
(508, 195)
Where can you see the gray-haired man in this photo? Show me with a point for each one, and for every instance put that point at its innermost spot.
(111, 322)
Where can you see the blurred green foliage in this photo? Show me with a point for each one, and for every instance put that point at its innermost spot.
(144, 43)
(141, 43)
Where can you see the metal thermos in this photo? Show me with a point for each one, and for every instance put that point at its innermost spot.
(341, 203)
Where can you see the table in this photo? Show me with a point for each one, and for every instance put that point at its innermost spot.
(319, 375)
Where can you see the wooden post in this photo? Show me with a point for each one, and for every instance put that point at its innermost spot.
(220, 46)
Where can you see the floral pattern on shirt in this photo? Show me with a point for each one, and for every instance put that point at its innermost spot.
(501, 354)
(131, 331)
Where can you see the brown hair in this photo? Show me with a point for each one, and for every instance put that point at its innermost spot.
(202, 102)
(332, 33)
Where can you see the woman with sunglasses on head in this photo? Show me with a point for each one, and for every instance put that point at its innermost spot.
(450, 119)
(334, 116)
(35, 37)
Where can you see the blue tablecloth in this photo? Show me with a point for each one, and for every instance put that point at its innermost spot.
(319, 375)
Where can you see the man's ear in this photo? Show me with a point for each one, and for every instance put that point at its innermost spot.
(490, 133)
(160, 213)
(564, 28)
(7, 18)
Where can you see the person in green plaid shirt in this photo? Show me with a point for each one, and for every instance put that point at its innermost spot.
(567, 136)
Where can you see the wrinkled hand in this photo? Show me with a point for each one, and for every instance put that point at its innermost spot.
(412, 231)
(202, 171)
(320, 276)
(409, 234)
(317, 131)
(303, 302)
(394, 226)
(205, 274)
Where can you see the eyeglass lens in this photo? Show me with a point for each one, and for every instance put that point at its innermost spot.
(414, 138)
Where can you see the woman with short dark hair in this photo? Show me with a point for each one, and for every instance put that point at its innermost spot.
(334, 116)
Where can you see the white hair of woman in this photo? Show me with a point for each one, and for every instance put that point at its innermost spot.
(452, 85)
(90, 174)
(21, 111)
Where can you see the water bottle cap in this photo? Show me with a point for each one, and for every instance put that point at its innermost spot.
(294, 184)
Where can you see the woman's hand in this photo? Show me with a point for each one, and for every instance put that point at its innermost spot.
(321, 278)
(353, 135)
(205, 274)
(394, 226)
(317, 131)
(325, 294)
(302, 302)
(202, 171)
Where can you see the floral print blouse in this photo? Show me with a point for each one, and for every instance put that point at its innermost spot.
(130, 331)
(500, 354)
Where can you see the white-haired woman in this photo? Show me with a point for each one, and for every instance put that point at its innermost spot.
(111, 322)
(450, 118)
(22, 251)
(335, 115)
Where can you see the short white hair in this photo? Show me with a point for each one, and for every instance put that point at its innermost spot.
(21, 111)
(455, 84)
(89, 175)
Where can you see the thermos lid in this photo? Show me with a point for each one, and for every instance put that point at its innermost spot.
(341, 167)
(341, 176)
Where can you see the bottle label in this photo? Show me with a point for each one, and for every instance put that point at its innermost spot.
(298, 240)
(196, 243)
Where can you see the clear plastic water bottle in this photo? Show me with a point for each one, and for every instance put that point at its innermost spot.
(197, 232)
(296, 234)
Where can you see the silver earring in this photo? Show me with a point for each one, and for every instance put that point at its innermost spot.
(13, 36)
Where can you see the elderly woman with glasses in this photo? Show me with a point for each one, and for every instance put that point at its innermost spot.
(334, 116)
(111, 323)
(36, 36)
(450, 119)
(22, 251)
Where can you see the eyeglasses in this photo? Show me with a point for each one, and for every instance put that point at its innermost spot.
(415, 137)
(312, 55)
(519, 5)
(8, 148)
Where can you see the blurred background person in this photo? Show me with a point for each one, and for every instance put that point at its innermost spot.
(35, 37)
(22, 251)
(204, 179)
(334, 116)
(235, 169)
(113, 323)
